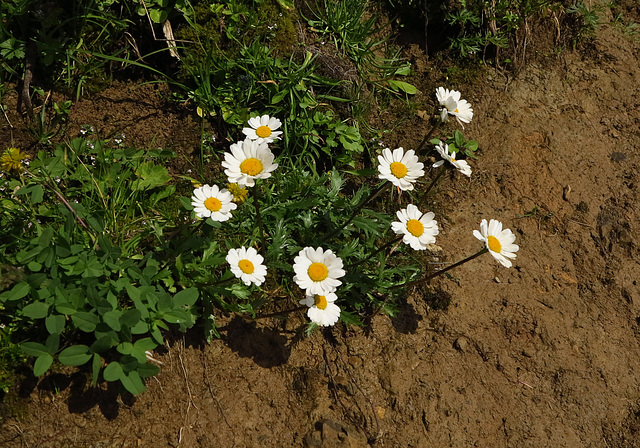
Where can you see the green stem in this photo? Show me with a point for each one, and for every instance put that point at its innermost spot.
(390, 243)
(374, 194)
(426, 137)
(448, 268)
(256, 200)
(435, 180)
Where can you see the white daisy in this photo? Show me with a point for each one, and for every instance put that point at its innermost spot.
(247, 161)
(212, 202)
(246, 264)
(400, 168)
(322, 310)
(263, 129)
(461, 165)
(418, 229)
(498, 241)
(317, 271)
(453, 105)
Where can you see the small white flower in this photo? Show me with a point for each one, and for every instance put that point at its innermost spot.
(461, 165)
(211, 202)
(322, 310)
(498, 241)
(418, 229)
(400, 168)
(263, 129)
(246, 264)
(453, 105)
(247, 161)
(317, 271)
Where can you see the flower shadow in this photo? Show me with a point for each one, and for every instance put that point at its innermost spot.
(267, 347)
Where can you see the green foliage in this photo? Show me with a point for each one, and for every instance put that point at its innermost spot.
(83, 227)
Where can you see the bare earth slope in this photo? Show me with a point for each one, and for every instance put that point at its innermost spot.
(545, 354)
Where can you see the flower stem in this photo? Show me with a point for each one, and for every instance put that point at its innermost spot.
(256, 199)
(374, 194)
(448, 268)
(384, 247)
(435, 180)
(426, 137)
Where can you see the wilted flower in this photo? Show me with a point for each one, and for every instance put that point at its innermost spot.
(418, 229)
(263, 129)
(461, 165)
(400, 168)
(453, 105)
(12, 159)
(211, 202)
(317, 271)
(247, 161)
(246, 264)
(239, 193)
(322, 310)
(498, 241)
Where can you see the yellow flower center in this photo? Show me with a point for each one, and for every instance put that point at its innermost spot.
(318, 272)
(213, 204)
(263, 131)
(398, 169)
(320, 302)
(494, 244)
(456, 111)
(415, 227)
(246, 266)
(251, 166)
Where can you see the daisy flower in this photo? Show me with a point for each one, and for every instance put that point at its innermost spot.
(211, 202)
(498, 241)
(453, 105)
(400, 168)
(322, 310)
(317, 271)
(263, 129)
(418, 229)
(246, 264)
(461, 165)
(247, 161)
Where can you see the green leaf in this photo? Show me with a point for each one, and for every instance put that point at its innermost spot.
(186, 203)
(459, 138)
(113, 372)
(407, 88)
(404, 70)
(76, 355)
(54, 323)
(17, 292)
(85, 321)
(42, 364)
(96, 364)
(145, 344)
(52, 343)
(186, 297)
(34, 348)
(133, 383)
(130, 318)
(148, 370)
(102, 344)
(113, 319)
(36, 310)
(279, 96)
(150, 175)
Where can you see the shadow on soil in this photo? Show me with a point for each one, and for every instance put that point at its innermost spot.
(265, 346)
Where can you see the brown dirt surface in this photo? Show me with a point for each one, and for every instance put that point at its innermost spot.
(545, 354)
